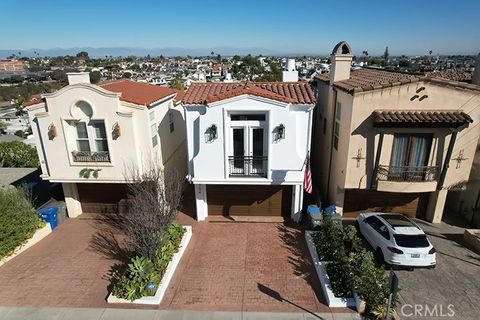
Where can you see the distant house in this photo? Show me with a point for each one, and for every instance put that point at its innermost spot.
(14, 122)
(108, 127)
(247, 147)
(389, 141)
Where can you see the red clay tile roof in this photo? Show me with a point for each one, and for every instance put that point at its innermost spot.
(289, 92)
(137, 92)
(427, 118)
(34, 99)
(457, 74)
(369, 79)
(366, 79)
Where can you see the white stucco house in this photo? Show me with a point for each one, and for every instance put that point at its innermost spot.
(247, 145)
(88, 136)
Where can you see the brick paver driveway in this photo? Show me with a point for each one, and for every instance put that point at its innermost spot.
(65, 269)
(226, 267)
(246, 266)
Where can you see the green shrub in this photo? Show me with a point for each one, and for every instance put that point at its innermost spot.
(351, 266)
(18, 154)
(18, 219)
(371, 281)
(132, 284)
(329, 240)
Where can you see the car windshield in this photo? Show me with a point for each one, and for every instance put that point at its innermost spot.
(411, 241)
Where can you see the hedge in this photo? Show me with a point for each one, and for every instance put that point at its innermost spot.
(18, 219)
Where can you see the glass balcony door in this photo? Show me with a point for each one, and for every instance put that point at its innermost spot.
(248, 151)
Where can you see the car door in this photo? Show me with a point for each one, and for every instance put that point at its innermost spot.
(369, 229)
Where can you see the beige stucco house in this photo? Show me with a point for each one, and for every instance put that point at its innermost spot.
(389, 141)
(88, 137)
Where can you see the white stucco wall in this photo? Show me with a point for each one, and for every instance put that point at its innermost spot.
(208, 161)
(132, 148)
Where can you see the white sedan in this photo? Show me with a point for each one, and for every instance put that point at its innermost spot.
(397, 240)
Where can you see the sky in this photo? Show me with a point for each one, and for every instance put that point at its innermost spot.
(296, 26)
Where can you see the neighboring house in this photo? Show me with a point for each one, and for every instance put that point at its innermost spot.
(112, 127)
(14, 122)
(390, 141)
(247, 145)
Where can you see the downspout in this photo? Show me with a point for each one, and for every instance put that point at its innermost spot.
(377, 160)
(331, 141)
(448, 156)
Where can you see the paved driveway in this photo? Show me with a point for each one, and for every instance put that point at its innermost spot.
(64, 269)
(226, 267)
(248, 267)
(455, 281)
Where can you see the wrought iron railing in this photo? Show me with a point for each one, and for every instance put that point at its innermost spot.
(91, 156)
(248, 166)
(407, 173)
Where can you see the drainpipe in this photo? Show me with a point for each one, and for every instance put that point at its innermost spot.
(448, 156)
(331, 142)
(377, 160)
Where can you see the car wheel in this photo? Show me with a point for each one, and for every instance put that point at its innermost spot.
(432, 267)
(379, 256)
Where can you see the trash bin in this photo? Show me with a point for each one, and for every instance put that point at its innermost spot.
(49, 215)
(314, 216)
(331, 211)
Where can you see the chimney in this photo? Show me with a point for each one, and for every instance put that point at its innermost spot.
(290, 74)
(476, 72)
(78, 77)
(341, 62)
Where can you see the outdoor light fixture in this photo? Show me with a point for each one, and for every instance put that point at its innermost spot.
(116, 131)
(281, 131)
(212, 132)
(52, 131)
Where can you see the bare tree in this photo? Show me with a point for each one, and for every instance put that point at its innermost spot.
(156, 198)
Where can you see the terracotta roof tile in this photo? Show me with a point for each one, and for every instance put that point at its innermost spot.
(34, 99)
(456, 74)
(289, 92)
(366, 79)
(425, 118)
(137, 92)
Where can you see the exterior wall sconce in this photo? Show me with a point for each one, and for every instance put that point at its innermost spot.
(280, 132)
(116, 131)
(212, 133)
(52, 131)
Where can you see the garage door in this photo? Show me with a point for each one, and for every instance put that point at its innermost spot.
(101, 197)
(410, 204)
(249, 200)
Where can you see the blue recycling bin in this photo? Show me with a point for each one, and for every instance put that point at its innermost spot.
(314, 215)
(49, 215)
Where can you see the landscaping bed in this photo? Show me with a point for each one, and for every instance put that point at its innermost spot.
(20, 227)
(145, 281)
(347, 269)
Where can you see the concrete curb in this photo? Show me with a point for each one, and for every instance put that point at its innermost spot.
(30, 313)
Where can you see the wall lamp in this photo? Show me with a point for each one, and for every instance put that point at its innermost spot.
(116, 131)
(212, 133)
(52, 131)
(280, 132)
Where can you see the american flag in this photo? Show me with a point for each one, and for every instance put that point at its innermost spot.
(307, 181)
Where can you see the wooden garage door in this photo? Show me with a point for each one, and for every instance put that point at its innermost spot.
(410, 204)
(249, 200)
(101, 197)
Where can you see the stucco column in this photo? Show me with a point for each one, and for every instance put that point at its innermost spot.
(436, 204)
(201, 201)
(72, 200)
(297, 202)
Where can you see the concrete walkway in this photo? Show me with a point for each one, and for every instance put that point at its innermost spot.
(14, 313)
